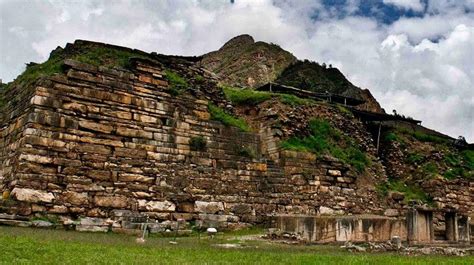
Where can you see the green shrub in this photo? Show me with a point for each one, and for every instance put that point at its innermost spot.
(430, 168)
(452, 159)
(198, 143)
(468, 156)
(324, 139)
(391, 137)
(414, 158)
(199, 78)
(176, 83)
(462, 165)
(411, 191)
(219, 114)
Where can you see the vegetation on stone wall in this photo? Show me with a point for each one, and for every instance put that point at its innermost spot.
(461, 165)
(324, 139)
(176, 82)
(411, 191)
(423, 162)
(96, 56)
(227, 119)
(251, 97)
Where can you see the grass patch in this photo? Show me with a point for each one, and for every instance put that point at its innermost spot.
(36, 246)
(411, 192)
(392, 137)
(107, 57)
(96, 56)
(219, 114)
(294, 101)
(324, 139)
(462, 165)
(344, 110)
(414, 158)
(468, 156)
(430, 168)
(251, 97)
(176, 83)
(246, 96)
(429, 138)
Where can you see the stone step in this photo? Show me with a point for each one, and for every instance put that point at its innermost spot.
(10, 222)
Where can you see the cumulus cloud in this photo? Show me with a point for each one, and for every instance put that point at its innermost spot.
(421, 66)
(415, 5)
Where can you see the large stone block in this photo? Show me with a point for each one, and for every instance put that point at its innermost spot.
(94, 126)
(31, 195)
(157, 206)
(36, 158)
(136, 133)
(126, 177)
(75, 198)
(208, 207)
(111, 201)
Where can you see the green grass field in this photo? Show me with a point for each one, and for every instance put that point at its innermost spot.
(34, 246)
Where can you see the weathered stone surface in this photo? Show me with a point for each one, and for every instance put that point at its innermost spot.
(42, 224)
(208, 207)
(391, 212)
(334, 172)
(323, 210)
(103, 128)
(75, 198)
(111, 201)
(134, 177)
(30, 195)
(157, 206)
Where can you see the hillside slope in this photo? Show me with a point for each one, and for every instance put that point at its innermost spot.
(319, 78)
(245, 63)
(242, 62)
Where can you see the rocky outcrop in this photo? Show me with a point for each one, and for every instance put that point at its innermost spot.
(245, 63)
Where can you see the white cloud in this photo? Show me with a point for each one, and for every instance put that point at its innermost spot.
(421, 66)
(415, 5)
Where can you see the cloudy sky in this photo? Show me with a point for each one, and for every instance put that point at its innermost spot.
(416, 56)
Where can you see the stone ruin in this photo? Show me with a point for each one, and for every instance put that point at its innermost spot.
(96, 148)
(417, 228)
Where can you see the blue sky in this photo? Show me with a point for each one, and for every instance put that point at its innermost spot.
(415, 56)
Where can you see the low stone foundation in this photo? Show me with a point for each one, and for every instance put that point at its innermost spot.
(357, 228)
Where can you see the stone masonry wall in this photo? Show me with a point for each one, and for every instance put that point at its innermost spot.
(93, 144)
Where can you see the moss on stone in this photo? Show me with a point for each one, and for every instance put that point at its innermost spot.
(227, 119)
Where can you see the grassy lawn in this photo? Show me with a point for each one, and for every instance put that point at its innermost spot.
(34, 246)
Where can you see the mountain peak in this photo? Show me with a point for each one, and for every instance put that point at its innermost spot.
(239, 41)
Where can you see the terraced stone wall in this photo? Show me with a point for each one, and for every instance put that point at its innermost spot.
(95, 145)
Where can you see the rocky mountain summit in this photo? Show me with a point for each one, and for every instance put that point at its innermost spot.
(242, 62)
